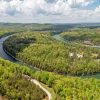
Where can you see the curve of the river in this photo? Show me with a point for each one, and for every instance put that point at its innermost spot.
(7, 57)
(2, 52)
(58, 37)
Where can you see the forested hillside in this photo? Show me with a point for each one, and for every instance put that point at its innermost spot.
(42, 51)
(3, 32)
(14, 87)
(37, 52)
(16, 27)
(83, 35)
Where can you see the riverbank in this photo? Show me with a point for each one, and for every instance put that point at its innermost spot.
(7, 56)
(58, 82)
(58, 37)
(62, 47)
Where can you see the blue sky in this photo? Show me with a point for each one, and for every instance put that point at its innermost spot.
(95, 4)
(49, 11)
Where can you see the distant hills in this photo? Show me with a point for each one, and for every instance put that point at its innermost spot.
(47, 27)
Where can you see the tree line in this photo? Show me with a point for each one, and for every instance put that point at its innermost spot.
(82, 35)
(42, 51)
(14, 87)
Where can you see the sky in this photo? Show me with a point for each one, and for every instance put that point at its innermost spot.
(50, 11)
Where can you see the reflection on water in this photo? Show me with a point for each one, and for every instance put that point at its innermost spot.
(2, 52)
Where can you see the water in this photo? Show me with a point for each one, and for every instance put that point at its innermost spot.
(96, 46)
(2, 52)
(7, 57)
(58, 37)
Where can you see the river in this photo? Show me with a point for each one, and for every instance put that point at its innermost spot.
(2, 52)
(58, 37)
(7, 57)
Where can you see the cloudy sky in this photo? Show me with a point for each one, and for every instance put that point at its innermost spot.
(49, 11)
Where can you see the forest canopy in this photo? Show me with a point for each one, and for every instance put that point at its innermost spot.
(83, 35)
(13, 85)
(40, 50)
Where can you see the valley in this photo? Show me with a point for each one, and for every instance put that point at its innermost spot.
(70, 68)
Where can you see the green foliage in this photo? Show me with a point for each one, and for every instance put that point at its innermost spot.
(42, 51)
(2, 32)
(86, 36)
(5, 32)
(14, 86)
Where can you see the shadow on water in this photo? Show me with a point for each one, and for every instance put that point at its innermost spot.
(15, 44)
(25, 43)
(2, 52)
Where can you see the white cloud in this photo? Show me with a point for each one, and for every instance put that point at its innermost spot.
(98, 9)
(49, 8)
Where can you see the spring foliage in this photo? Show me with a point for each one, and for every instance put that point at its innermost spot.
(85, 36)
(14, 87)
(42, 51)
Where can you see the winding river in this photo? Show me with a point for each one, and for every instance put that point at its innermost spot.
(58, 37)
(7, 57)
(2, 52)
